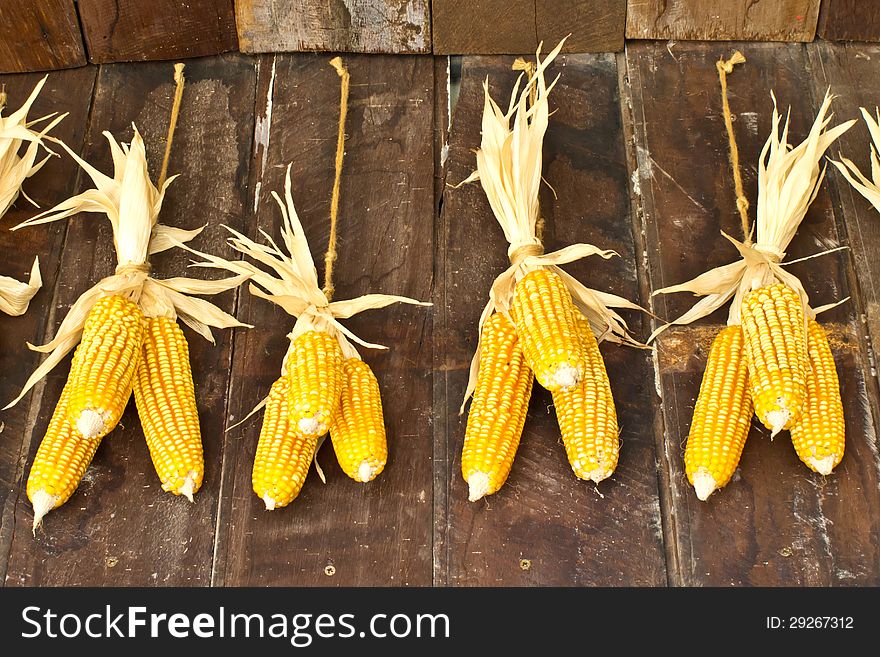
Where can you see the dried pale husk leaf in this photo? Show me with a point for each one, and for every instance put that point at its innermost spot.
(291, 281)
(509, 164)
(870, 189)
(788, 181)
(15, 296)
(132, 203)
(15, 130)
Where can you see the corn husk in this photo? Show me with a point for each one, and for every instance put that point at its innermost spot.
(132, 203)
(509, 164)
(291, 281)
(15, 296)
(15, 130)
(869, 188)
(788, 181)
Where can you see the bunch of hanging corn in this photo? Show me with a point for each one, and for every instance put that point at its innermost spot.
(129, 341)
(539, 321)
(324, 384)
(15, 168)
(773, 359)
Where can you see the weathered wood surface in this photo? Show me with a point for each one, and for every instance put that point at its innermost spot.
(776, 523)
(722, 20)
(378, 533)
(384, 26)
(133, 30)
(39, 35)
(120, 528)
(516, 26)
(570, 532)
(849, 20)
(57, 179)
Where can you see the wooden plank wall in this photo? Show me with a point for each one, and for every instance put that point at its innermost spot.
(39, 35)
(517, 26)
(569, 532)
(776, 20)
(132, 30)
(849, 20)
(384, 26)
(776, 523)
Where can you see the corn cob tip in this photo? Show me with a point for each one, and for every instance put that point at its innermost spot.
(478, 486)
(90, 424)
(777, 421)
(310, 426)
(823, 465)
(704, 484)
(366, 472)
(188, 487)
(599, 474)
(566, 376)
(42, 503)
(269, 502)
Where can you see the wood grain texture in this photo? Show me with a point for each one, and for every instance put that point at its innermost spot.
(516, 26)
(571, 532)
(377, 533)
(132, 30)
(721, 20)
(776, 523)
(379, 26)
(849, 20)
(39, 35)
(57, 179)
(120, 528)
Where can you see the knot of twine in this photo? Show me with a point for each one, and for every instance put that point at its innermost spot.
(771, 252)
(133, 268)
(517, 253)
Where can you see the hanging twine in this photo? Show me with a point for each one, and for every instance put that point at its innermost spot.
(725, 68)
(172, 124)
(330, 256)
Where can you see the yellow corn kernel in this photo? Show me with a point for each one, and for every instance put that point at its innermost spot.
(358, 428)
(498, 410)
(104, 365)
(547, 329)
(819, 436)
(314, 369)
(60, 463)
(586, 415)
(722, 416)
(776, 354)
(283, 455)
(166, 403)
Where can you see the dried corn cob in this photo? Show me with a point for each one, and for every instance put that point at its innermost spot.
(586, 415)
(819, 436)
(776, 354)
(103, 369)
(544, 315)
(722, 416)
(314, 369)
(60, 463)
(358, 428)
(498, 410)
(166, 403)
(283, 455)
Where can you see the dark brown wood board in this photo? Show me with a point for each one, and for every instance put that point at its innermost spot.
(851, 71)
(120, 528)
(378, 26)
(377, 533)
(849, 20)
(39, 35)
(133, 30)
(776, 523)
(569, 532)
(722, 20)
(57, 179)
(463, 27)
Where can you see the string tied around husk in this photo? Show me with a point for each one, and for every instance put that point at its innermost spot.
(788, 181)
(509, 165)
(132, 204)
